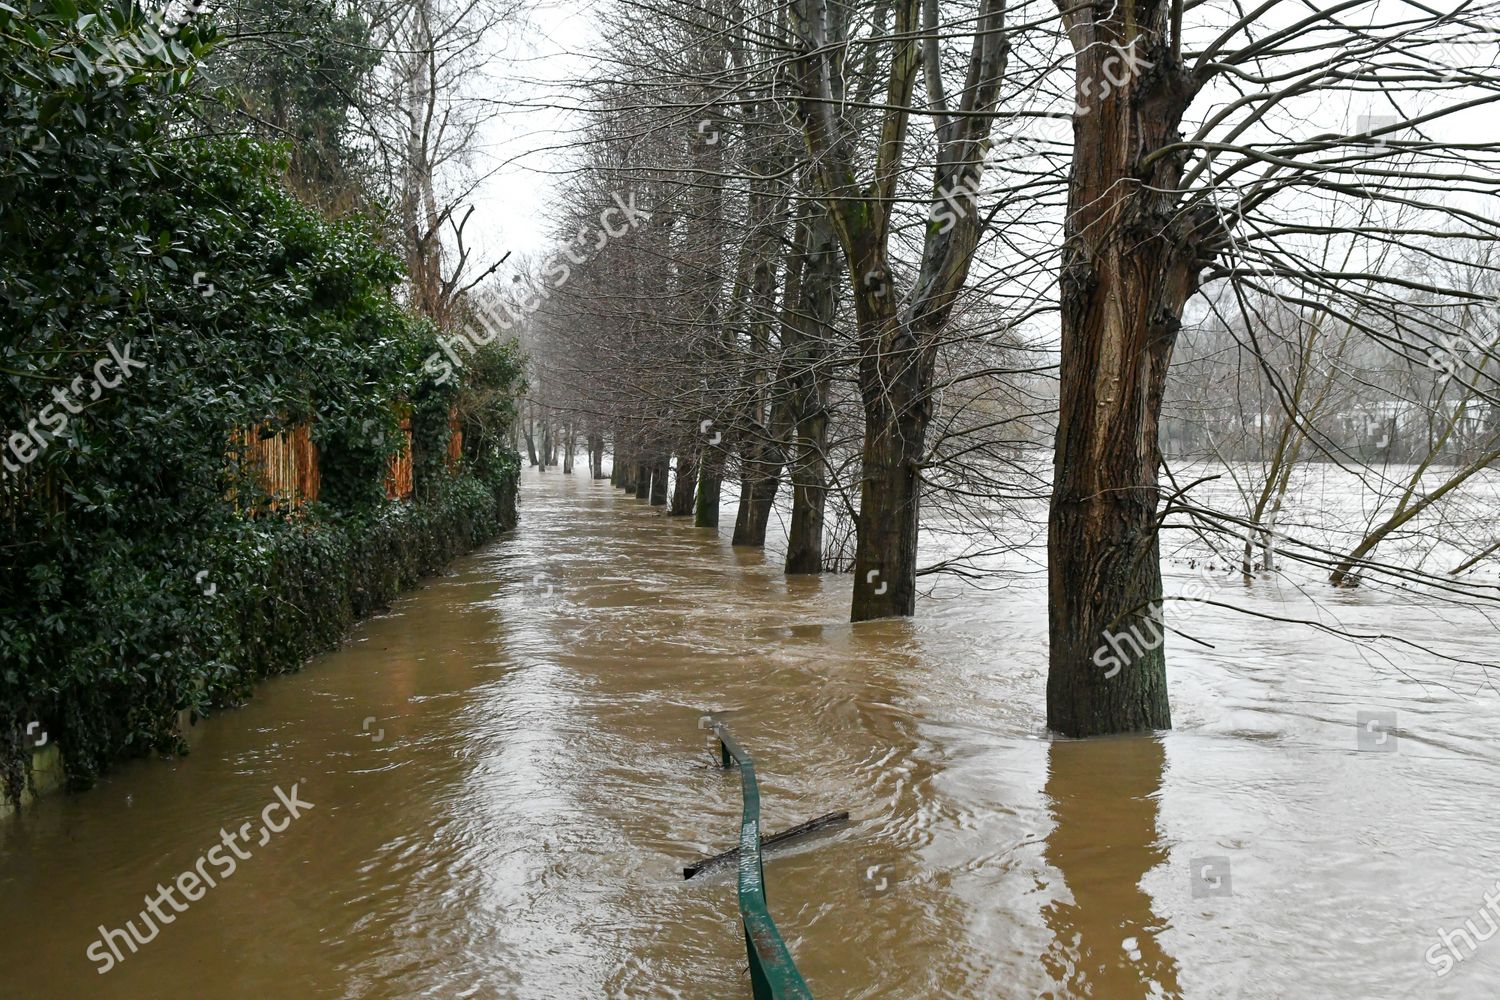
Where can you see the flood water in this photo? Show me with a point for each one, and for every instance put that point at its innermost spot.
(506, 774)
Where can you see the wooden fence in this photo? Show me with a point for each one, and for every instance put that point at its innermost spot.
(398, 478)
(455, 440)
(287, 461)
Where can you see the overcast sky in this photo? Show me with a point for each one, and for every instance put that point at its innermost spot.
(531, 77)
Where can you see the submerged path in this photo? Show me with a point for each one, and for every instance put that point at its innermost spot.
(506, 776)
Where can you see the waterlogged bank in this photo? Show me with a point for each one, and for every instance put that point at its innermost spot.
(508, 776)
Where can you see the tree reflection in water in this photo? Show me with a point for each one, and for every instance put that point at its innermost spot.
(1104, 805)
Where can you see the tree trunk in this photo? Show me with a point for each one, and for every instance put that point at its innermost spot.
(809, 336)
(804, 548)
(742, 510)
(685, 487)
(659, 483)
(642, 481)
(897, 411)
(596, 456)
(898, 334)
(760, 454)
(710, 482)
(1131, 259)
(530, 443)
(764, 462)
(758, 486)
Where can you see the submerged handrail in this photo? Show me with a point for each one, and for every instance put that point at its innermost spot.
(773, 974)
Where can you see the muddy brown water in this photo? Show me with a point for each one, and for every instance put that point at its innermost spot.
(506, 775)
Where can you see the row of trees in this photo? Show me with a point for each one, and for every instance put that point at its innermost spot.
(898, 248)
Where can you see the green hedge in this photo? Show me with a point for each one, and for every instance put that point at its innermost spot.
(127, 231)
(314, 581)
(291, 590)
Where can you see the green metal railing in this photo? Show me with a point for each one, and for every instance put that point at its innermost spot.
(773, 974)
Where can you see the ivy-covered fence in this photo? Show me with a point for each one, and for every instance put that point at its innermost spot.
(160, 292)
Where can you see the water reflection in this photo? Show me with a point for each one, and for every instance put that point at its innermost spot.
(1106, 940)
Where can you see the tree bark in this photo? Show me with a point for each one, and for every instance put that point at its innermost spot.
(810, 339)
(898, 409)
(1131, 259)
(804, 547)
(659, 483)
(710, 483)
(685, 488)
(596, 456)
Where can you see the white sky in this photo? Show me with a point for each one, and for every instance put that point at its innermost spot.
(511, 206)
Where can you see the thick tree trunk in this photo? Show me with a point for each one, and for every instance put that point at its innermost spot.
(685, 488)
(710, 482)
(568, 451)
(885, 556)
(642, 481)
(596, 456)
(804, 549)
(1130, 261)
(530, 443)
(758, 486)
(809, 335)
(659, 483)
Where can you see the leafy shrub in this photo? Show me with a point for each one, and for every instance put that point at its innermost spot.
(237, 306)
